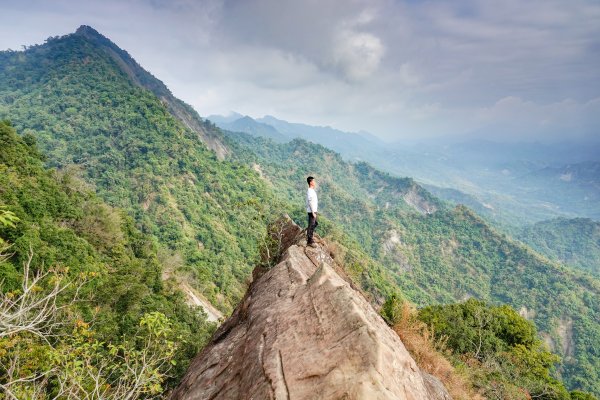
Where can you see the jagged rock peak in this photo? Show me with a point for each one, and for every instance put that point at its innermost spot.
(303, 332)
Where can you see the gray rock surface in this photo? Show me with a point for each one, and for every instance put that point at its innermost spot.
(435, 387)
(303, 332)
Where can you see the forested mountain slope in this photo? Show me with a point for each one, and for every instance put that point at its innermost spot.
(87, 111)
(440, 254)
(64, 228)
(93, 115)
(508, 183)
(575, 242)
(144, 79)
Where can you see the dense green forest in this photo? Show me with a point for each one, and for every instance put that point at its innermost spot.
(107, 266)
(575, 242)
(205, 218)
(439, 254)
(87, 114)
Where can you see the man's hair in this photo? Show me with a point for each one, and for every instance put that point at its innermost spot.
(309, 180)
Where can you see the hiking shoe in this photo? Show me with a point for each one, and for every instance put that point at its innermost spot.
(313, 245)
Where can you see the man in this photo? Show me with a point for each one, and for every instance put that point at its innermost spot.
(312, 203)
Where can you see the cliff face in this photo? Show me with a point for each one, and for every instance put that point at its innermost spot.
(303, 332)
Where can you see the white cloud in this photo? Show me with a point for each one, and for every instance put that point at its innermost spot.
(357, 54)
(389, 67)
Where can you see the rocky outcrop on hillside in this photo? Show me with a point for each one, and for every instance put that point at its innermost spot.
(304, 332)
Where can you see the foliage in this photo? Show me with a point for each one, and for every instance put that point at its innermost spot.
(574, 241)
(91, 117)
(392, 309)
(499, 349)
(58, 226)
(7, 218)
(577, 395)
(430, 352)
(77, 365)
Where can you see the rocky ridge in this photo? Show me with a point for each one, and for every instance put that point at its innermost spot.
(302, 331)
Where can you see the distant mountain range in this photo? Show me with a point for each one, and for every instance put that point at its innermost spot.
(351, 145)
(509, 183)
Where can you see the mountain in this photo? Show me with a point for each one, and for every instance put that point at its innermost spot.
(436, 253)
(95, 111)
(142, 78)
(506, 182)
(355, 146)
(304, 332)
(514, 183)
(574, 242)
(207, 210)
(250, 126)
(572, 187)
(224, 119)
(99, 258)
(90, 115)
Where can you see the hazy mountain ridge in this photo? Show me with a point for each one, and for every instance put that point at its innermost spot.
(506, 182)
(248, 125)
(351, 145)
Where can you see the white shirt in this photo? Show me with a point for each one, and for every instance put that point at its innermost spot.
(312, 202)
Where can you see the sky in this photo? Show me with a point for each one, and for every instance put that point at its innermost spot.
(505, 70)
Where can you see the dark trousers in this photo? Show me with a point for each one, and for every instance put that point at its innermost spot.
(312, 224)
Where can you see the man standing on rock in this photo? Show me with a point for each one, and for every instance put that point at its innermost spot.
(312, 203)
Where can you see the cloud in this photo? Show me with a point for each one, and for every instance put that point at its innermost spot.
(334, 38)
(266, 68)
(357, 54)
(390, 67)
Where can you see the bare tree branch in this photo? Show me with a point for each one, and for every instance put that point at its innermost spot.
(32, 309)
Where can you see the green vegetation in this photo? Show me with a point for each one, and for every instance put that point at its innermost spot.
(443, 256)
(511, 184)
(500, 350)
(575, 242)
(108, 306)
(86, 112)
(478, 351)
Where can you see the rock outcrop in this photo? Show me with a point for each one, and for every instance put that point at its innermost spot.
(304, 332)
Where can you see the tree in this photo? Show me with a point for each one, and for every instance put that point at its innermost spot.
(40, 358)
